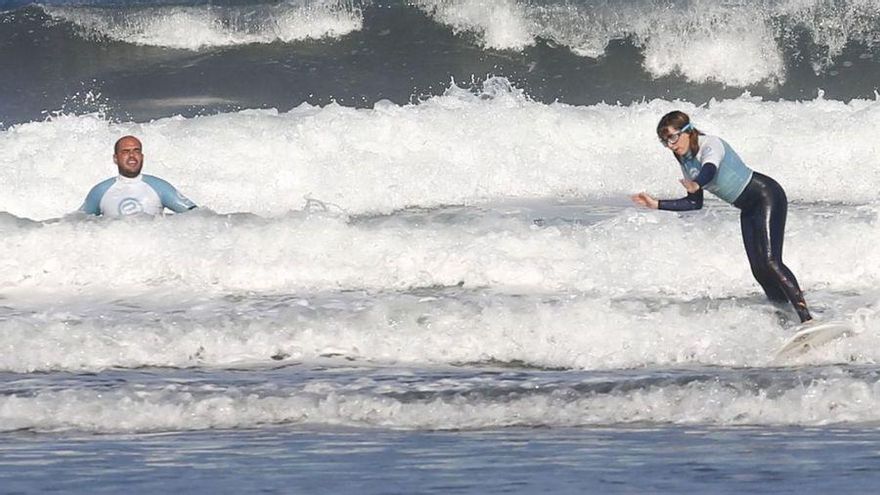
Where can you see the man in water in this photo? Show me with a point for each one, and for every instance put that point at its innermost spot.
(130, 192)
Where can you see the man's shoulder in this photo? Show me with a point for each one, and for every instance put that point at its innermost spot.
(102, 186)
(92, 204)
(155, 181)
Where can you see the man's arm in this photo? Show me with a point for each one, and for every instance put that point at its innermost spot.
(169, 196)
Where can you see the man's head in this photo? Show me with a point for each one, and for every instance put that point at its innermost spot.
(128, 156)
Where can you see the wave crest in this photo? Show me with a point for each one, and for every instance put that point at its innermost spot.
(193, 28)
(735, 43)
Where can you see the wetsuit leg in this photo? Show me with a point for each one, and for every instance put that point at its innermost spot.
(755, 240)
(764, 209)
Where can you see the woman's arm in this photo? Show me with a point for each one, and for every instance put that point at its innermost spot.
(644, 199)
(693, 201)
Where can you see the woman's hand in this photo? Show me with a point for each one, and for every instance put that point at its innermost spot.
(690, 185)
(645, 199)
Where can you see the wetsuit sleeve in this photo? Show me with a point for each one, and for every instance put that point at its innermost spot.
(170, 197)
(707, 173)
(693, 201)
(92, 204)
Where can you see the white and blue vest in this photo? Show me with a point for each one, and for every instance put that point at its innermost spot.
(120, 196)
(732, 175)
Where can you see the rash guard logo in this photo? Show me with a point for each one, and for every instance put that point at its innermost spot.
(130, 206)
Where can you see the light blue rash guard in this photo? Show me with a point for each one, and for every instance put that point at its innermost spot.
(732, 175)
(120, 196)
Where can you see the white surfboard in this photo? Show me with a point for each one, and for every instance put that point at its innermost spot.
(813, 335)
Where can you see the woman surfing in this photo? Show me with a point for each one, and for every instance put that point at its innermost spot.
(708, 162)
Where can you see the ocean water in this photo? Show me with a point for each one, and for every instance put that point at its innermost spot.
(415, 267)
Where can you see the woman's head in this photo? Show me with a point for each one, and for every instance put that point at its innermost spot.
(678, 134)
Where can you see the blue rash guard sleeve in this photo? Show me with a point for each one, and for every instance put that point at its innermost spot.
(693, 201)
(92, 204)
(170, 197)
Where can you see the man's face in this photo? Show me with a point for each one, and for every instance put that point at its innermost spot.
(128, 157)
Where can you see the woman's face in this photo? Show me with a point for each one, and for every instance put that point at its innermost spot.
(679, 142)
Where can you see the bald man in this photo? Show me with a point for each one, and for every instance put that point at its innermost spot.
(131, 193)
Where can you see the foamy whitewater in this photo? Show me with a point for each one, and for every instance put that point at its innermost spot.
(415, 266)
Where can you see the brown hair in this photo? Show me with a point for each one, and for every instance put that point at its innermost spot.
(678, 120)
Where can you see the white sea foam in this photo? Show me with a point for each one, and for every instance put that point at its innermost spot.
(814, 402)
(193, 28)
(217, 254)
(588, 283)
(636, 288)
(500, 24)
(456, 148)
(572, 331)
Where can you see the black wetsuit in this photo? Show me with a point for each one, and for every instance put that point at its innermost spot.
(764, 207)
